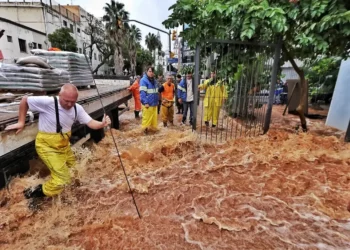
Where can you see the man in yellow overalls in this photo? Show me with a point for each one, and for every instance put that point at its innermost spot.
(167, 91)
(215, 95)
(56, 117)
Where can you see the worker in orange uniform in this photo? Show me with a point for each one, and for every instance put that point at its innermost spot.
(167, 91)
(135, 90)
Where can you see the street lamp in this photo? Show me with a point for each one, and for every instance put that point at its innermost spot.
(168, 33)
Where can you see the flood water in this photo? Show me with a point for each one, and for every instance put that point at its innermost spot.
(282, 190)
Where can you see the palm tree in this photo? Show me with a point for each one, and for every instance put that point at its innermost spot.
(153, 43)
(134, 38)
(116, 29)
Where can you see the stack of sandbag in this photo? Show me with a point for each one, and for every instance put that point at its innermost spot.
(76, 65)
(32, 74)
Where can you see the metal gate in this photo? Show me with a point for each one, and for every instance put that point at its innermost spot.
(234, 88)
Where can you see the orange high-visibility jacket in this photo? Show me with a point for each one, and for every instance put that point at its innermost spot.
(169, 91)
(135, 90)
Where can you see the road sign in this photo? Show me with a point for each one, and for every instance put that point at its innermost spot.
(173, 60)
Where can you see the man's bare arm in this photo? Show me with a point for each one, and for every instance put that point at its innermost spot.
(93, 124)
(23, 109)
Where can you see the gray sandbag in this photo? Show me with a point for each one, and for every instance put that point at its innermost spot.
(37, 60)
(12, 68)
(15, 77)
(75, 64)
(30, 65)
(10, 75)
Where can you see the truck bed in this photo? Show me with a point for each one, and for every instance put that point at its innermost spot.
(9, 113)
(112, 97)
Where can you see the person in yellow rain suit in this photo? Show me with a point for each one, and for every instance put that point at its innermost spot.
(215, 95)
(167, 91)
(149, 99)
(56, 117)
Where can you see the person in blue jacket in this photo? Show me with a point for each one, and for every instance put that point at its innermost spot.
(185, 96)
(149, 100)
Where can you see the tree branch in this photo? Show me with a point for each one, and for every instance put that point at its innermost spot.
(290, 58)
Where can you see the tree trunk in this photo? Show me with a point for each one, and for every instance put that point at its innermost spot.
(100, 65)
(118, 62)
(90, 54)
(132, 57)
(133, 63)
(303, 89)
(155, 58)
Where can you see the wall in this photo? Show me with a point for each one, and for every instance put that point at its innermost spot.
(339, 111)
(11, 50)
(26, 13)
(288, 70)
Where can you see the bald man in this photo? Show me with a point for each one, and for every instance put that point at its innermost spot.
(56, 117)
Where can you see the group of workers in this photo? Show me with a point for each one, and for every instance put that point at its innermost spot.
(57, 115)
(152, 96)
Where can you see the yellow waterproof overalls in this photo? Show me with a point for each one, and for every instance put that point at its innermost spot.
(215, 95)
(55, 151)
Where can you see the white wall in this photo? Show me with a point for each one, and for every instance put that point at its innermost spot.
(25, 13)
(288, 70)
(339, 111)
(289, 73)
(11, 50)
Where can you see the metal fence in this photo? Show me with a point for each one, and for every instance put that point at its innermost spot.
(234, 90)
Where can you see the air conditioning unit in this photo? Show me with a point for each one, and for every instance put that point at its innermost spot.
(31, 45)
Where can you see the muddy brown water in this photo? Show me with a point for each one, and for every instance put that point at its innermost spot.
(283, 190)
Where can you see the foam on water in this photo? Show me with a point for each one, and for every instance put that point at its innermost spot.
(278, 191)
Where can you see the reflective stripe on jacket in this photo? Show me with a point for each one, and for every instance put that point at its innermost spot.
(149, 91)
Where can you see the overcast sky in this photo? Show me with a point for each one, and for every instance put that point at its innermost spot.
(152, 12)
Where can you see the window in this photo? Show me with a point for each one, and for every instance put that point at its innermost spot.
(22, 45)
(65, 23)
(9, 39)
(80, 51)
(40, 46)
(71, 28)
(34, 45)
(100, 58)
(78, 30)
(95, 56)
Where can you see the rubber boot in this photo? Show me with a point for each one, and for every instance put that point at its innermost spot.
(165, 124)
(206, 123)
(137, 114)
(36, 193)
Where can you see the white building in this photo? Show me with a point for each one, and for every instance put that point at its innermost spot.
(28, 24)
(18, 39)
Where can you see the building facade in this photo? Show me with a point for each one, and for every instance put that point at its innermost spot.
(28, 24)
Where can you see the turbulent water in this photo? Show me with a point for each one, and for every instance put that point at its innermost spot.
(278, 191)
